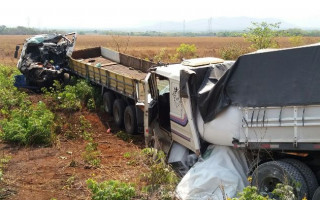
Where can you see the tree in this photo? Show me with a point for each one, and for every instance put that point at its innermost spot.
(262, 35)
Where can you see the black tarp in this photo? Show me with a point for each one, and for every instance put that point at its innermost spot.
(201, 81)
(275, 78)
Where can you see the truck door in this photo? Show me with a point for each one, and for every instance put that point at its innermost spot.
(180, 126)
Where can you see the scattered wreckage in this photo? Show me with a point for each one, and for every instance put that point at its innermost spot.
(44, 58)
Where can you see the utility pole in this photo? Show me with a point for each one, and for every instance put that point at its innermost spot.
(184, 27)
(210, 25)
(28, 22)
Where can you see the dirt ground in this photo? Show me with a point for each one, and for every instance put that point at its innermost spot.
(60, 172)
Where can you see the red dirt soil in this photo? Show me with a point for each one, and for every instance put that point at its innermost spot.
(45, 172)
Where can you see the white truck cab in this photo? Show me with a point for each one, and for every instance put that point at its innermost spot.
(168, 117)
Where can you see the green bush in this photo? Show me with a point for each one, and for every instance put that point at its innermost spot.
(281, 192)
(232, 52)
(111, 190)
(71, 97)
(262, 35)
(296, 40)
(186, 51)
(161, 179)
(29, 125)
(250, 193)
(10, 96)
(163, 56)
(91, 154)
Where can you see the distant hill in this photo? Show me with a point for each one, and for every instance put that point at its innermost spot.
(216, 24)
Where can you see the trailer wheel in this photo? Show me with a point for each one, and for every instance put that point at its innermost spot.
(118, 112)
(130, 119)
(316, 195)
(108, 100)
(307, 173)
(267, 175)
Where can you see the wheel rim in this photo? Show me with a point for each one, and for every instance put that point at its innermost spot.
(268, 184)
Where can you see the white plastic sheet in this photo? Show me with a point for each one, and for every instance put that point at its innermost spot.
(221, 130)
(221, 173)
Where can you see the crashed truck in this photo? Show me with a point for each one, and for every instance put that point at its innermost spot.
(218, 121)
(44, 58)
(258, 116)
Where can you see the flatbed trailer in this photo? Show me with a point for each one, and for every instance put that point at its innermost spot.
(121, 78)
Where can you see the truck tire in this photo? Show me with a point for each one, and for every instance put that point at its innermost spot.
(108, 100)
(316, 195)
(267, 175)
(118, 112)
(130, 119)
(307, 173)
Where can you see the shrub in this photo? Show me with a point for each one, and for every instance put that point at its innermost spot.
(162, 56)
(124, 136)
(262, 35)
(161, 179)
(296, 40)
(232, 51)
(91, 154)
(4, 160)
(71, 97)
(10, 96)
(29, 125)
(111, 190)
(281, 192)
(186, 51)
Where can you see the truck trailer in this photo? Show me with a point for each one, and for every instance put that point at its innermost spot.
(120, 77)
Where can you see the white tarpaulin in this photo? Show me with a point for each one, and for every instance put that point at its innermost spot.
(221, 173)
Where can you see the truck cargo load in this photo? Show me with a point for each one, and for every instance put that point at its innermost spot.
(278, 78)
(268, 99)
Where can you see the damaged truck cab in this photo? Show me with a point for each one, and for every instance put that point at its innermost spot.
(44, 58)
(168, 118)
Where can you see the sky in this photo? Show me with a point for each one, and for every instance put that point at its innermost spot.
(117, 14)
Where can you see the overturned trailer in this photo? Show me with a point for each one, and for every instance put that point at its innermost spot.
(44, 58)
(266, 105)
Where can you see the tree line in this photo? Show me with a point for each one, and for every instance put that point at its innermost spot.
(21, 30)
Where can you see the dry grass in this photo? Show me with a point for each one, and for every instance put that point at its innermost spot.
(141, 46)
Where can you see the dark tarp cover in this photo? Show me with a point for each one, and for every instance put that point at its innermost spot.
(201, 81)
(275, 78)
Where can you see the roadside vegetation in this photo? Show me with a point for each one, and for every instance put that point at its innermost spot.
(79, 93)
(21, 121)
(158, 182)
